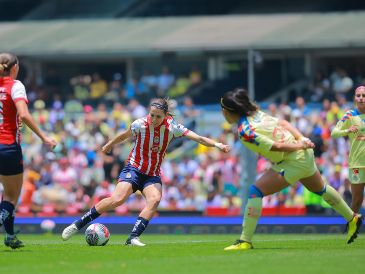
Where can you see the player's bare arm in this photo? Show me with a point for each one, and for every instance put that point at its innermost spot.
(277, 146)
(207, 141)
(124, 135)
(27, 119)
(295, 132)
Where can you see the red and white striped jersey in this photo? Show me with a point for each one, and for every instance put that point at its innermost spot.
(11, 91)
(151, 143)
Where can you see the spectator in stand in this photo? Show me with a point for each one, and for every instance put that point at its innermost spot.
(81, 87)
(341, 83)
(136, 109)
(164, 82)
(150, 81)
(115, 89)
(41, 114)
(190, 112)
(320, 88)
(195, 76)
(98, 88)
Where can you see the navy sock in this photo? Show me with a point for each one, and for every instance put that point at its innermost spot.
(139, 227)
(92, 214)
(7, 216)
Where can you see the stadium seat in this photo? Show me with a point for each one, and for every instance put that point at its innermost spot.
(216, 211)
(121, 210)
(270, 211)
(48, 210)
(72, 210)
(290, 211)
(24, 211)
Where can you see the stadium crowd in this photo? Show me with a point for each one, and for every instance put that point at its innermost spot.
(77, 174)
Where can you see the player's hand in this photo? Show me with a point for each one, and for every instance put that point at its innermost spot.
(107, 148)
(50, 142)
(307, 143)
(223, 147)
(353, 129)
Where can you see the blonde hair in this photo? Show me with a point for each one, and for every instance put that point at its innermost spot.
(7, 61)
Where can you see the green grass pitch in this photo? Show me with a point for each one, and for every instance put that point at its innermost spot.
(202, 254)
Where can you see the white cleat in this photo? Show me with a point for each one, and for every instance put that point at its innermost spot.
(134, 241)
(69, 231)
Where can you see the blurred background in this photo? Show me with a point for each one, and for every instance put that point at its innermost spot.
(91, 68)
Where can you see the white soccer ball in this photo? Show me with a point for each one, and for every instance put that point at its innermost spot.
(48, 225)
(97, 234)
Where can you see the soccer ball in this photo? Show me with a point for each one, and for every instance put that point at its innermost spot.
(48, 225)
(97, 234)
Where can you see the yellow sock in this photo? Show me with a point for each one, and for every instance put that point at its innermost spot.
(334, 199)
(251, 217)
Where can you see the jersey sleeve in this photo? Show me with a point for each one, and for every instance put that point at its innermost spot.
(18, 92)
(262, 142)
(342, 126)
(178, 130)
(136, 127)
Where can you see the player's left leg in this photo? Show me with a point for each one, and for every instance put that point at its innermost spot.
(357, 191)
(121, 193)
(12, 187)
(271, 182)
(153, 194)
(316, 184)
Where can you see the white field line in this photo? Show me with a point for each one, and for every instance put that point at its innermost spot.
(227, 240)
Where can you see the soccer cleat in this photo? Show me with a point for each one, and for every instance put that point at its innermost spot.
(240, 245)
(353, 228)
(13, 242)
(134, 241)
(69, 231)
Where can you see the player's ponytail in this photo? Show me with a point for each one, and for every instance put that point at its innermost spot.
(7, 61)
(237, 102)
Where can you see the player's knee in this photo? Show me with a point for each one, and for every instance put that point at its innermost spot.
(154, 201)
(320, 193)
(116, 200)
(255, 192)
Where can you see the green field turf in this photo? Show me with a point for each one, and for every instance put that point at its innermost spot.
(189, 254)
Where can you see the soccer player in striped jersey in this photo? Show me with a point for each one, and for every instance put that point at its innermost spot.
(152, 135)
(292, 157)
(352, 125)
(13, 111)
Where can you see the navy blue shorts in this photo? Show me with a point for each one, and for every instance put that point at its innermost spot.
(11, 159)
(138, 179)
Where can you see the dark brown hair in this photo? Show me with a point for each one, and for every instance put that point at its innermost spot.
(7, 61)
(163, 104)
(237, 102)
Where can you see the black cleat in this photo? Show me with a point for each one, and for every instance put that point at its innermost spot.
(13, 242)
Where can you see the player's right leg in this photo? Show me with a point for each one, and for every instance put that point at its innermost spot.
(357, 191)
(271, 182)
(153, 194)
(12, 187)
(316, 184)
(121, 193)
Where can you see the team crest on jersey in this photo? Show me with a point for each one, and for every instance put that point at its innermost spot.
(156, 139)
(128, 175)
(355, 175)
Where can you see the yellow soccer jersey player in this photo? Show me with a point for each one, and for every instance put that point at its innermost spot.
(352, 125)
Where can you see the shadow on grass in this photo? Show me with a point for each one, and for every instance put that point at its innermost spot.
(15, 250)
